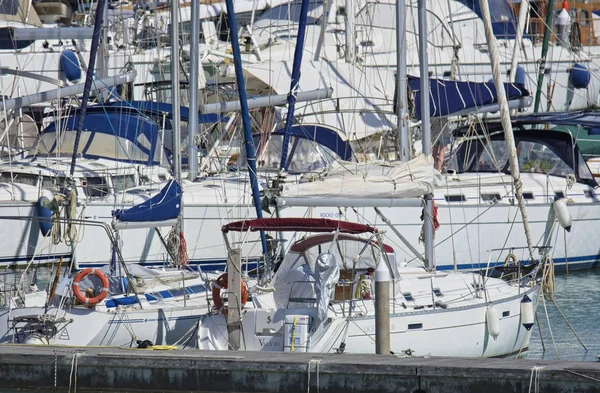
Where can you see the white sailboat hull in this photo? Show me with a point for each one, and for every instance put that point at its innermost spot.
(476, 226)
(418, 332)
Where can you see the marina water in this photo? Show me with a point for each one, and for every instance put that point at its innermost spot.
(577, 295)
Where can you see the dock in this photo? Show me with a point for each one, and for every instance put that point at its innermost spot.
(51, 368)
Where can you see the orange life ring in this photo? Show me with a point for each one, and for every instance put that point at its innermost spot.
(221, 283)
(77, 291)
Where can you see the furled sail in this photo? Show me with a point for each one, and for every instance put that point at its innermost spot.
(450, 97)
(379, 183)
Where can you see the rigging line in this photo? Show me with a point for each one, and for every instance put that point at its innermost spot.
(460, 228)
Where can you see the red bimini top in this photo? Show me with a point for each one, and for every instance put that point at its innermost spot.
(298, 224)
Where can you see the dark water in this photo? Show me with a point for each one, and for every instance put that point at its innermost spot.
(577, 295)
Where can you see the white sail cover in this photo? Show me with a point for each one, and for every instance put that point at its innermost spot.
(369, 180)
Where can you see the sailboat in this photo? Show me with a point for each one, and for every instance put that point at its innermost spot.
(120, 304)
(321, 295)
(321, 300)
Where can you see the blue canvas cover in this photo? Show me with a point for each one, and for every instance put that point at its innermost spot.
(448, 97)
(323, 135)
(589, 120)
(164, 206)
(131, 126)
(504, 22)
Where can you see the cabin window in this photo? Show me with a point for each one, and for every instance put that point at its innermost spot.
(123, 182)
(455, 198)
(54, 184)
(21, 178)
(589, 194)
(6, 39)
(408, 296)
(528, 195)
(289, 12)
(537, 157)
(438, 292)
(505, 314)
(491, 197)
(584, 18)
(415, 326)
(9, 7)
(96, 187)
(491, 159)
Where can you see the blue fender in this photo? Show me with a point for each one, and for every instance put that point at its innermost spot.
(46, 216)
(580, 76)
(69, 64)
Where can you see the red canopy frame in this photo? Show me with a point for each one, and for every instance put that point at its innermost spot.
(298, 224)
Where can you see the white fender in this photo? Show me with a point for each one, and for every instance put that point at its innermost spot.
(527, 312)
(493, 322)
(562, 214)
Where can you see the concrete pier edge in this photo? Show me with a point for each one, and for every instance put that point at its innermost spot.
(134, 370)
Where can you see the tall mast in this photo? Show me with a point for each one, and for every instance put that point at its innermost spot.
(248, 141)
(505, 116)
(401, 112)
(175, 90)
(349, 31)
(89, 75)
(295, 84)
(426, 128)
(194, 70)
(542, 69)
(523, 11)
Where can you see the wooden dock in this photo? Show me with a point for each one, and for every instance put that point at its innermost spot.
(112, 369)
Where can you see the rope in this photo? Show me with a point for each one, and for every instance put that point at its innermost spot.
(56, 228)
(71, 212)
(73, 372)
(548, 278)
(316, 362)
(534, 380)
(183, 255)
(173, 244)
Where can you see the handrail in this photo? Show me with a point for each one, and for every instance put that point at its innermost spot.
(99, 224)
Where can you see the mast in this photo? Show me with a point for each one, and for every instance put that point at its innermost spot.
(324, 19)
(175, 90)
(523, 11)
(505, 116)
(194, 70)
(295, 84)
(401, 112)
(248, 141)
(542, 69)
(349, 31)
(88, 81)
(426, 128)
(103, 49)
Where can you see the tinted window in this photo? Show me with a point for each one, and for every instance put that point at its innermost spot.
(9, 7)
(96, 187)
(7, 42)
(21, 178)
(123, 182)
